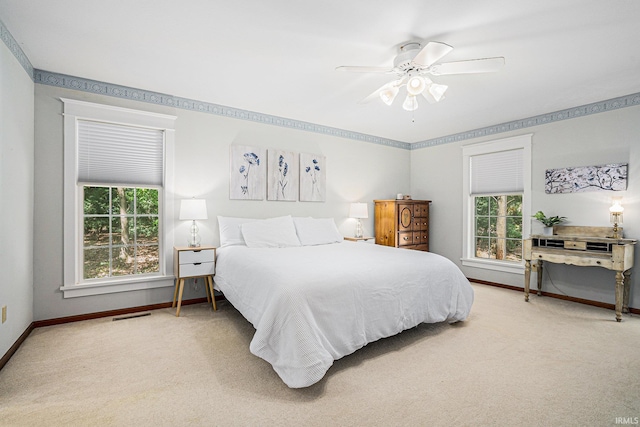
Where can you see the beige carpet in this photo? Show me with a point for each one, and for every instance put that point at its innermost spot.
(546, 363)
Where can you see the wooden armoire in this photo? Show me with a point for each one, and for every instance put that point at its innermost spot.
(402, 223)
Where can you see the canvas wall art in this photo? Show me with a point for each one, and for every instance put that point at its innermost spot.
(312, 178)
(282, 175)
(612, 177)
(247, 173)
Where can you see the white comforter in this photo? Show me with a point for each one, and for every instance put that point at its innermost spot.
(312, 305)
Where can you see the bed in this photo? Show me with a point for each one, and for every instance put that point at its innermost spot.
(311, 304)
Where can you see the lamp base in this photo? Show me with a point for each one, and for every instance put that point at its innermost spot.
(358, 229)
(616, 231)
(194, 239)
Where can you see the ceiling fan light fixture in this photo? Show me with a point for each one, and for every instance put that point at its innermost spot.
(389, 94)
(416, 85)
(414, 63)
(410, 103)
(437, 91)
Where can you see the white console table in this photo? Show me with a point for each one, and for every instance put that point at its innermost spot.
(582, 246)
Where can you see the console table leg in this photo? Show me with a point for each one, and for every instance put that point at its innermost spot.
(619, 295)
(625, 298)
(527, 278)
(539, 269)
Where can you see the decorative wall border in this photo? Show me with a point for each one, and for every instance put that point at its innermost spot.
(14, 47)
(543, 119)
(87, 85)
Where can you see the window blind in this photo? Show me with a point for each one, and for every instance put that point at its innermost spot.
(119, 154)
(499, 172)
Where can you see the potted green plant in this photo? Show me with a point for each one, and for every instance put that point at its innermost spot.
(549, 221)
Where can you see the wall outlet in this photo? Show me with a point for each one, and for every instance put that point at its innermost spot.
(4, 313)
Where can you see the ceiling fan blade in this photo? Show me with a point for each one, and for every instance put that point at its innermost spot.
(364, 69)
(431, 53)
(376, 93)
(483, 65)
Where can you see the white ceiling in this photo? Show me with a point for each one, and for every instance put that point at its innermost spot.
(278, 57)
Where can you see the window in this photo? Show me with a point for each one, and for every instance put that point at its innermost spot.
(498, 227)
(496, 198)
(120, 231)
(116, 176)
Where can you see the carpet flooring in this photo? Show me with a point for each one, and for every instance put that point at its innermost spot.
(544, 363)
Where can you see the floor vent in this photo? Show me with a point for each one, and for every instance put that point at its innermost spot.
(131, 316)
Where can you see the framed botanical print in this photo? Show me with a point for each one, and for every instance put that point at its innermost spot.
(312, 178)
(282, 175)
(247, 172)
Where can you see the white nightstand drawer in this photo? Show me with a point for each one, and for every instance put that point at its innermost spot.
(198, 269)
(193, 256)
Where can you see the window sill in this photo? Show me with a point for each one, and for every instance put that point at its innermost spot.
(116, 285)
(504, 266)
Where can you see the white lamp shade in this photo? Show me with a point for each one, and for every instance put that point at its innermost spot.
(389, 94)
(410, 103)
(617, 207)
(358, 210)
(193, 209)
(437, 91)
(416, 85)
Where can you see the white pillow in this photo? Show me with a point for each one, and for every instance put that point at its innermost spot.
(230, 233)
(270, 233)
(317, 231)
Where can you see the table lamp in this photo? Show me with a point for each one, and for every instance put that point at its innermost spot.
(615, 216)
(193, 209)
(358, 211)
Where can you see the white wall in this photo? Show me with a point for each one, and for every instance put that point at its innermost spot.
(611, 137)
(16, 197)
(356, 171)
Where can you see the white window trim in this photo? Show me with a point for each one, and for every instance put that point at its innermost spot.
(517, 142)
(73, 111)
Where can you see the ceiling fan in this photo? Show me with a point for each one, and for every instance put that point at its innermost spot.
(412, 66)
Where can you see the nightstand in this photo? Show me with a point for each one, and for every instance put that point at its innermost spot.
(358, 239)
(189, 263)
